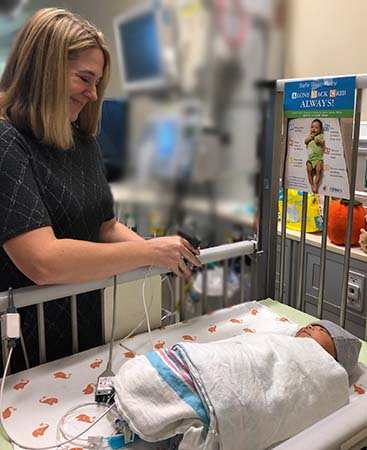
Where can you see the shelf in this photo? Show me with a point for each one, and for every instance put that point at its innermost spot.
(314, 239)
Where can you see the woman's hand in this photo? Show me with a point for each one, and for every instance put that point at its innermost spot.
(172, 252)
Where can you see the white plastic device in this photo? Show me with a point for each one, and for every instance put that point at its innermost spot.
(10, 326)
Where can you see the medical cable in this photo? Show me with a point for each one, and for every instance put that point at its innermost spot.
(11, 343)
(172, 302)
(2, 388)
(109, 362)
(61, 424)
(146, 317)
(104, 390)
(13, 441)
(145, 304)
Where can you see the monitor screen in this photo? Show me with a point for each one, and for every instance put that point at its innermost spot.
(140, 48)
(113, 137)
(144, 39)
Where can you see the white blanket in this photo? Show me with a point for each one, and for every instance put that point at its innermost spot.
(256, 390)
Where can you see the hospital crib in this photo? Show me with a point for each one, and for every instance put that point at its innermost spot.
(346, 429)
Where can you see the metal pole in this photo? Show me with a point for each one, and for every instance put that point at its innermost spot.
(282, 245)
(242, 279)
(41, 333)
(323, 257)
(300, 302)
(25, 354)
(5, 353)
(182, 298)
(204, 296)
(74, 323)
(357, 120)
(225, 283)
(274, 195)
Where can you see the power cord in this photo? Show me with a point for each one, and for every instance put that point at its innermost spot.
(10, 328)
(145, 303)
(90, 439)
(146, 317)
(105, 390)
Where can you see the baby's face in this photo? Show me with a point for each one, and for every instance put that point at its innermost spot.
(320, 335)
(315, 128)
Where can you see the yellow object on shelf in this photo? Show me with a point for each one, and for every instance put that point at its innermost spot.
(294, 211)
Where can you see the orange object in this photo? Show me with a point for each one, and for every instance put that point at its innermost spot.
(337, 224)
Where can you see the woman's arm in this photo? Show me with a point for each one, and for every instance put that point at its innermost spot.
(113, 231)
(47, 260)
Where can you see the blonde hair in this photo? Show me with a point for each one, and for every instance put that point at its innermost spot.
(34, 88)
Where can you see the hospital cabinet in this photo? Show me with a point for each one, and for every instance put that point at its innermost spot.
(357, 291)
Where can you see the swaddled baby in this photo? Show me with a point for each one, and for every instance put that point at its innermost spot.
(238, 390)
(341, 344)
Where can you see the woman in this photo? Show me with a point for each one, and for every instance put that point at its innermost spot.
(57, 223)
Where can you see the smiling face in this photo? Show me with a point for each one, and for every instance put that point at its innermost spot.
(320, 335)
(315, 128)
(84, 74)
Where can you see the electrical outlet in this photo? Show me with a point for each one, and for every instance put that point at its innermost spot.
(355, 293)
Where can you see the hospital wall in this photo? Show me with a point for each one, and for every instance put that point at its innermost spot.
(325, 37)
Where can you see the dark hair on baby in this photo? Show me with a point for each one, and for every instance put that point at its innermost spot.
(321, 125)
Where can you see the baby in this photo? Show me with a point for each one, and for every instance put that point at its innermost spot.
(315, 144)
(341, 344)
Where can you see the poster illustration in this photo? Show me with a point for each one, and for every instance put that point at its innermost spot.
(319, 121)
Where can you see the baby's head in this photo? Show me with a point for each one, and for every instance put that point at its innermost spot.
(316, 127)
(341, 344)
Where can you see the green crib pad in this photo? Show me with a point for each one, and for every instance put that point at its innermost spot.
(4, 443)
(303, 319)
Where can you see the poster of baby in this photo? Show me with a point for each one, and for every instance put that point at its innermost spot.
(318, 145)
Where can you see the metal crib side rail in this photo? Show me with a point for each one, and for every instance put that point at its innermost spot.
(37, 295)
(34, 295)
(342, 430)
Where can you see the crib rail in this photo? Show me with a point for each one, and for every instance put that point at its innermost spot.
(37, 295)
(343, 430)
(346, 428)
(361, 83)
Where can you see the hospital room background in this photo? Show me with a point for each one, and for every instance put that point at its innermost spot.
(221, 62)
(186, 125)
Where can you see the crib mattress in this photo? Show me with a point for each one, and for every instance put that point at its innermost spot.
(35, 400)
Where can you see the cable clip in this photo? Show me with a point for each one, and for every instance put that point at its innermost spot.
(95, 441)
(128, 434)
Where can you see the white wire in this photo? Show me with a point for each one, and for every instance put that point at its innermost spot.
(170, 288)
(71, 410)
(145, 304)
(145, 318)
(13, 441)
(2, 388)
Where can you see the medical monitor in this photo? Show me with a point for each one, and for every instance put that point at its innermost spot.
(145, 48)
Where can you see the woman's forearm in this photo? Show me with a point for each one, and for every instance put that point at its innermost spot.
(47, 260)
(73, 261)
(113, 231)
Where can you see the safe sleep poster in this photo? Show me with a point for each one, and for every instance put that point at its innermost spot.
(318, 145)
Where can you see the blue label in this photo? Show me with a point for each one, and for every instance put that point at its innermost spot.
(308, 98)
